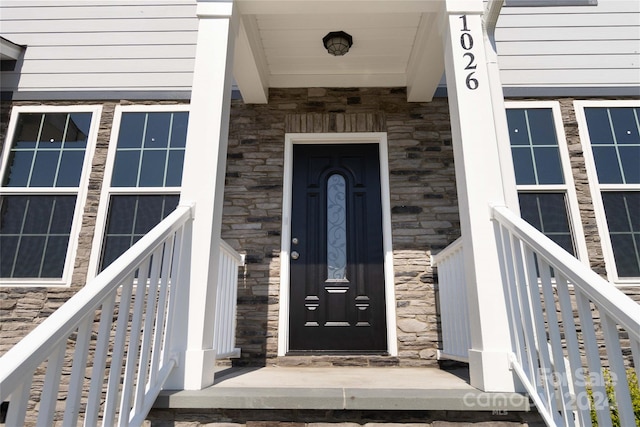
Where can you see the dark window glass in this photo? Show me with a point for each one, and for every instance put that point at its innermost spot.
(149, 214)
(47, 150)
(152, 161)
(125, 169)
(599, 126)
(70, 169)
(157, 135)
(630, 159)
(625, 125)
(541, 126)
(53, 129)
(44, 169)
(78, 129)
(622, 209)
(19, 168)
(8, 248)
(548, 165)
(12, 214)
(38, 216)
(55, 254)
(56, 159)
(28, 226)
(523, 165)
(518, 133)
(534, 146)
(131, 130)
(607, 165)
(548, 213)
(615, 140)
(174, 168)
(152, 168)
(27, 130)
(30, 251)
(129, 218)
(179, 130)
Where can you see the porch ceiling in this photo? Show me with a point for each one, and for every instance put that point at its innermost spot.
(395, 44)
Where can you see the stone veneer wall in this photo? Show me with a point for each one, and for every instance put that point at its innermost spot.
(424, 211)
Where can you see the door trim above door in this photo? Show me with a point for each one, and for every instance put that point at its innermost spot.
(379, 138)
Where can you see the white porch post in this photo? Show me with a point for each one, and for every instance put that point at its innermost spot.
(203, 185)
(480, 183)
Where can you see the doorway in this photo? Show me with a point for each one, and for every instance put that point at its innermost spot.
(337, 279)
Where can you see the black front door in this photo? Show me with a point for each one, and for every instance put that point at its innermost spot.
(337, 275)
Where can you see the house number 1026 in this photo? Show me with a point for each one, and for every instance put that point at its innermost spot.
(466, 41)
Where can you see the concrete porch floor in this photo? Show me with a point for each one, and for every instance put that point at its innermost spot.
(343, 388)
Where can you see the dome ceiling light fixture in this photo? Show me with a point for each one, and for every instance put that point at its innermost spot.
(337, 43)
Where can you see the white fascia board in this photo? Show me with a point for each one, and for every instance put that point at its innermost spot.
(9, 50)
(288, 7)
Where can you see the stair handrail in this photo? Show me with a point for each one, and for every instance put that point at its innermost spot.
(540, 304)
(47, 342)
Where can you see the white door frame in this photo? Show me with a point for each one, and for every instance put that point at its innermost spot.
(379, 138)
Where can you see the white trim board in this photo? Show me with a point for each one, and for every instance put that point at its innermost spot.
(80, 191)
(107, 191)
(596, 188)
(569, 188)
(379, 138)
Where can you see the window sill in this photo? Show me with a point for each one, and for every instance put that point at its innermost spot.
(34, 283)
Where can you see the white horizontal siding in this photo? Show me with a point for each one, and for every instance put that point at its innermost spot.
(584, 46)
(149, 45)
(113, 46)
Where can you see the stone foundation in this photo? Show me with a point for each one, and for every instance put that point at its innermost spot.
(330, 418)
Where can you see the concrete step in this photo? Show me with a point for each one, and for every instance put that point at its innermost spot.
(343, 388)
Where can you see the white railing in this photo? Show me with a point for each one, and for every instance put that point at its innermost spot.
(70, 368)
(224, 340)
(567, 326)
(111, 325)
(452, 295)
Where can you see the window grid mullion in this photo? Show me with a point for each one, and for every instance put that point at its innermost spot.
(616, 146)
(133, 223)
(35, 150)
(166, 154)
(531, 148)
(632, 231)
(46, 238)
(61, 151)
(21, 235)
(142, 148)
(542, 230)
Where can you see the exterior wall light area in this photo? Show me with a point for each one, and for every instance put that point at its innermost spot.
(337, 43)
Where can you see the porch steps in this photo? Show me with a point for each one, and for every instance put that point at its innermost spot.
(343, 388)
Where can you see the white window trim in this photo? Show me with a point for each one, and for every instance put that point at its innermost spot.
(596, 188)
(379, 138)
(108, 191)
(80, 191)
(569, 187)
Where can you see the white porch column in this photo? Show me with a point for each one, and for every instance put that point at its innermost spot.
(480, 183)
(203, 185)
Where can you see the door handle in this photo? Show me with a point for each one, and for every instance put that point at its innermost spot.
(295, 255)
